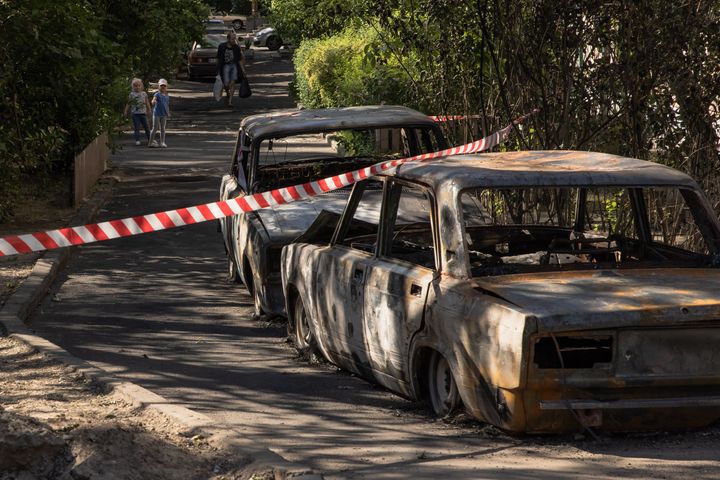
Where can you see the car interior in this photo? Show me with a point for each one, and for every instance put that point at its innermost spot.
(537, 229)
(310, 157)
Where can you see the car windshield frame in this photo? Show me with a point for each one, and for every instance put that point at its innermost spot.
(694, 200)
(256, 143)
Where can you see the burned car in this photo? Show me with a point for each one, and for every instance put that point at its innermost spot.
(285, 149)
(543, 291)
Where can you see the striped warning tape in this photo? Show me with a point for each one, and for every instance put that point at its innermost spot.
(154, 222)
(448, 118)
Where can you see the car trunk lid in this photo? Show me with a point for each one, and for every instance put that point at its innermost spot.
(584, 300)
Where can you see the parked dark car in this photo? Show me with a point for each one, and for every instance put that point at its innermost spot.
(202, 58)
(544, 291)
(285, 149)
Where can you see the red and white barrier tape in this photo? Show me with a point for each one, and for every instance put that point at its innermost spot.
(154, 222)
(448, 118)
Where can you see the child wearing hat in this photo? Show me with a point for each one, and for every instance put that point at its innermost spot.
(161, 111)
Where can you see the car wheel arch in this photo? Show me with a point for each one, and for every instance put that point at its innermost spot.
(422, 350)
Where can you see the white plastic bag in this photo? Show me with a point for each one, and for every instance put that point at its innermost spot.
(218, 88)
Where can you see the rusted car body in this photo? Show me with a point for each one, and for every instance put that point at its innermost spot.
(285, 149)
(545, 291)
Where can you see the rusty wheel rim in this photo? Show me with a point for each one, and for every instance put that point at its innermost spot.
(443, 390)
(303, 337)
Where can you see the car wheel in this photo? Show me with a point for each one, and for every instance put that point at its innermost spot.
(442, 389)
(237, 24)
(232, 271)
(273, 43)
(301, 332)
(250, 285)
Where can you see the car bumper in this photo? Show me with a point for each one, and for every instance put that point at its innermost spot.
(202, 70)
(634, 409)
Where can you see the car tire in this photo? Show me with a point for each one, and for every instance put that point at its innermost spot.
(273, 43)
(443, 394)
(237, 24)
(233, 276)
(301, 333)
(250, 285)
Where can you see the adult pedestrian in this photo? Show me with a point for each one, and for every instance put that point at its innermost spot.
(231, 64)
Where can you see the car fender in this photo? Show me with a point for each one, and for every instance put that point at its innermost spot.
(297, 272)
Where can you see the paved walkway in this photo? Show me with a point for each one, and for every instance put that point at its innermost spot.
(155, 309)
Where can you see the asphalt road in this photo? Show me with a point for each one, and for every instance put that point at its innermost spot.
(155, 309)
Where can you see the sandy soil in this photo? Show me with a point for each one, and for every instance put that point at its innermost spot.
(56, 425)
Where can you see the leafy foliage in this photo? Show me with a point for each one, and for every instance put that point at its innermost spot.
(298, 20)
(65, 76)
(631, 78)
(349, 68)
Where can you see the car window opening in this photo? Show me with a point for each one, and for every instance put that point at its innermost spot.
(513, 230)
(288, 161)
(411, 235)
(362, 229)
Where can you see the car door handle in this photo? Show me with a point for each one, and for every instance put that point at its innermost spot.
(415, 290)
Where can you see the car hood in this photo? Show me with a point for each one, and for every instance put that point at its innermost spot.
(286, 222)
(611, 298)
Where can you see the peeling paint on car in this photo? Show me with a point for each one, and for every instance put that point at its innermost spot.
(620, 343)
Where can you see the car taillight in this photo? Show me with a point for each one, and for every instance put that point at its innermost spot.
(573, 351)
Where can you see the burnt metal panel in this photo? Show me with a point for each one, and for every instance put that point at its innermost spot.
(580, 300)
(547, 168)
(283, 124)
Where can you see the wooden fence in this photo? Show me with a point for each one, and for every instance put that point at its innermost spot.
(89, 166)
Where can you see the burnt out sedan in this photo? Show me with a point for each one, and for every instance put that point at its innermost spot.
(286, 149)
(543, 291)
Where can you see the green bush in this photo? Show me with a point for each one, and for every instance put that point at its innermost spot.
(345, 69)
(65, 76)
(297, 20)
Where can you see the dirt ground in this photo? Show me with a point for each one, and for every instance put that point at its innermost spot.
(12, 275)
(42, 207)
(56, 425)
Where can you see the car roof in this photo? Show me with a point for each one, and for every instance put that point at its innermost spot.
(534, 168)
(327, 119)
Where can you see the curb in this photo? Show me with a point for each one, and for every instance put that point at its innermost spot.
(29, 295)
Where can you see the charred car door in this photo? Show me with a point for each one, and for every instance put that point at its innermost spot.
(398, 280)
(342, 270)
(233, 185)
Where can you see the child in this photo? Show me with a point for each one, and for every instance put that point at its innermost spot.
(139, 105)
(161, 110)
